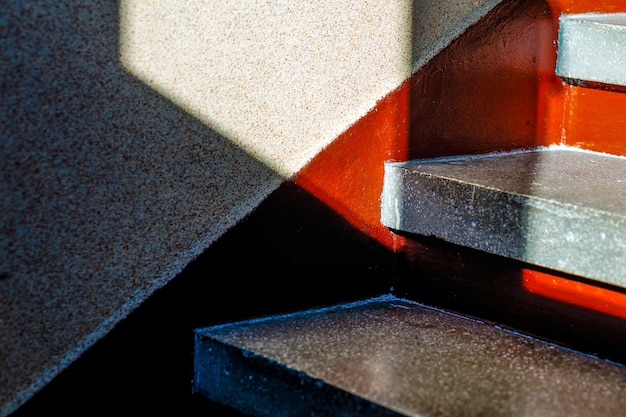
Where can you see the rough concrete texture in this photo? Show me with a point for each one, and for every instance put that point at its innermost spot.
(592, 47)
(558, 207)
(135, 133)
(391, 357)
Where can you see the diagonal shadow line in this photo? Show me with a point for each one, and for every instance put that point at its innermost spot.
(114, 189)
(110, 189)
(100, 186)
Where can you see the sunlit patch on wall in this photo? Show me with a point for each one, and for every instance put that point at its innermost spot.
(279, 80)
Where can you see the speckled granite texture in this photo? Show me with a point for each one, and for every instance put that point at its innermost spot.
(389, 357)
(592, 48)
(135, 133)
(542, 206)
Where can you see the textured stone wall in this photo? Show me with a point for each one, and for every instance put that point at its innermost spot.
(135, 133)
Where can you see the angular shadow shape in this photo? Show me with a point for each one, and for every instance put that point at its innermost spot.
(109, 189)
(292, 253)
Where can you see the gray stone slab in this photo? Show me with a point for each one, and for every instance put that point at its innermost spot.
(392, 357)
(592, 47)
(556, 207)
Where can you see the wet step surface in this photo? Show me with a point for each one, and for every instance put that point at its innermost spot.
(557, 207)
(393, 357)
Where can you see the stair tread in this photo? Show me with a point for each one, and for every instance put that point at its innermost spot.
(556, 207)
(592, 47)
(393, 357)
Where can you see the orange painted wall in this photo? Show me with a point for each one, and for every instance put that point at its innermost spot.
(493, 89)
(585, 6)
(348, 174)
(480, 94)
(594, 119)
(589, 118)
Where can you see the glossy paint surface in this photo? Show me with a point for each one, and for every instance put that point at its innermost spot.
(594, 119)
(586, 6)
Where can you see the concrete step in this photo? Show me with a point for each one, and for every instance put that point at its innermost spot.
(393, 357)
(592, 48)
(556, 207)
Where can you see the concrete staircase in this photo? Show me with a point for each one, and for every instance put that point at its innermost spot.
(394, 357)
(558, 208)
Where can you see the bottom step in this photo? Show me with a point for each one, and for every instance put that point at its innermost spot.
(393, 357)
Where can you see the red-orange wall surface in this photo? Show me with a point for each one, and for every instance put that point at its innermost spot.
(493, 89)
(481, 94)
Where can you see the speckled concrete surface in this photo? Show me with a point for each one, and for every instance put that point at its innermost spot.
(281, 80)
(390, 357)
(542, 206)
(592, 47)
(135, 133)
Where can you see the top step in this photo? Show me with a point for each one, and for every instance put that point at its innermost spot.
(592, 47)
(560, 208)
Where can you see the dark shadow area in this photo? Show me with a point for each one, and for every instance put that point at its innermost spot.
(489, 287)
(106, 184)
(292, 253)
